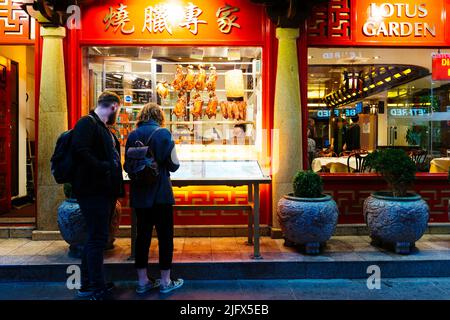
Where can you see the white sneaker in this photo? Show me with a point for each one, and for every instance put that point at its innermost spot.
(173, 285)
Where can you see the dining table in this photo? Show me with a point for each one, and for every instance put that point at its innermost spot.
(333, 164)
(440, 165)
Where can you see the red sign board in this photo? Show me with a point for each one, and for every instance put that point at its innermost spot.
(441, 67)
(170, 21)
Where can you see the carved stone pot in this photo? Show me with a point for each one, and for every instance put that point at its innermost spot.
(396, 221)
(308, 222)
(73, 228)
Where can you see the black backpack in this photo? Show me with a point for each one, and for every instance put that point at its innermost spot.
(141, 165)
(62, 159)
(62, 163)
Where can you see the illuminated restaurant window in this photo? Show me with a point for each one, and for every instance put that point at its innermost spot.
(363, 99)
(211, 96)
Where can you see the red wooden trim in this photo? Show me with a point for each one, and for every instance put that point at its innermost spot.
(373, 176)
(303, 69)
(73, 68)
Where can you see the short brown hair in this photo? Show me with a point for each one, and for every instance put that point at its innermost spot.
(151, 111)
(107, 98)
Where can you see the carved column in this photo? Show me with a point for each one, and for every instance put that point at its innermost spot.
(287, 144)
(52, 122)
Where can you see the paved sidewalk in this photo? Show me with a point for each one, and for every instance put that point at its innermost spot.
(227, 249)
(391, 289)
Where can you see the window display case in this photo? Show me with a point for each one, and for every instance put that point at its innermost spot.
(211, 96)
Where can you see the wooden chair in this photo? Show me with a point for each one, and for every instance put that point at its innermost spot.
(419, 157)
(360, 159)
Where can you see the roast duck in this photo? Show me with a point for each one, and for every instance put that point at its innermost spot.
(162, 89)
(236, 110)
(180, 107)
(177, 83)
(189, 79)
(197, 110)
(211, 109)
(200, 81)
(212, 80)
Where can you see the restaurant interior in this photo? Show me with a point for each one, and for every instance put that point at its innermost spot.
(364, 99)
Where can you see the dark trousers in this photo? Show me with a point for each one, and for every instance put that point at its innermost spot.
(161, 217)
(97, 211)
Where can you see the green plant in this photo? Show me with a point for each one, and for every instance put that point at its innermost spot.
(396, 168)
(417, 136)
(308, 184)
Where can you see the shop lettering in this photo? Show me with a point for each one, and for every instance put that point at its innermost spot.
(376, 26)
(403, 112)
(164, 17)
(326, 113)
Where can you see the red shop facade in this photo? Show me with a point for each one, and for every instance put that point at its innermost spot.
(116, 31)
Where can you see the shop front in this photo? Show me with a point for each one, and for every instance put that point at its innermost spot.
(219, 112)
(260, 97)
(381, 67)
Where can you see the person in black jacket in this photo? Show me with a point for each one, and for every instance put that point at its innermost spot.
(354, 135)
(97, 185)
(153, 203)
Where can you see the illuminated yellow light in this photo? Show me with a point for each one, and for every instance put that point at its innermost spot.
(388, 79)
(365, 89)
(379, 83)
(354, 94)
(407, 71)
(397, 75)
(176, 13)
(372, 86)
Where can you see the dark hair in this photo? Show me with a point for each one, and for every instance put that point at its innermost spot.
(107, 98)
(242, 126)
(355, 118)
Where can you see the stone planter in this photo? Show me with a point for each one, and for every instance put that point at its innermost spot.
(308, 221)
(396, 221)
(73, 226)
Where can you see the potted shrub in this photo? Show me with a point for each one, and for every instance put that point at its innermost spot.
(397, 217)
(307, 217)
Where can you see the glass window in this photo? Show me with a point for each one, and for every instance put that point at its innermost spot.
(363, 99)
(211, 96)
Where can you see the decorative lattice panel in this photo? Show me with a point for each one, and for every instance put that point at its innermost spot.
(15, 24)
(202, 195)
(350, 194)
(330, 21)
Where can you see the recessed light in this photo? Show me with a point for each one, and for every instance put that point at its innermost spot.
(376, 57)
(310, 57)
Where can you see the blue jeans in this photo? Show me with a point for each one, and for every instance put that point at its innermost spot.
(97, 211)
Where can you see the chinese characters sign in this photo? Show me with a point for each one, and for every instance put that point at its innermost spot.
(174, 21)
(165, 17)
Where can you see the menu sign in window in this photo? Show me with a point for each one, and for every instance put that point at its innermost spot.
(441, 67)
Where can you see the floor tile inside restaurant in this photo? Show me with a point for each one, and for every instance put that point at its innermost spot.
(229, 249)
